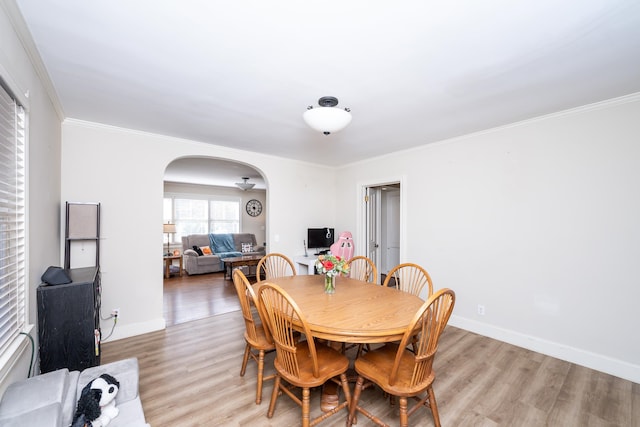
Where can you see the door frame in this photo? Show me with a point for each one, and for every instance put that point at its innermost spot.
(362, 237)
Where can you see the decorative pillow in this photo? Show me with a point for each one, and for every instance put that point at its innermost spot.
(206, 250)
(198, 250)
(247, 247)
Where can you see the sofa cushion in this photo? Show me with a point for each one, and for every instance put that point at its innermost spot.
(45, 416)
(206, 250)
(69, 403)
(188, 242)
(35, 392)
(130, 414)
(125, 371)
(240, 238)
(208, 260)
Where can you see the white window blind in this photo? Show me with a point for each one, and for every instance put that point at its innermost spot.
(12, 219)
(224, 216)
(201, 216)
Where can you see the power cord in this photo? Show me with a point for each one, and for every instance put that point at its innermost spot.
(33, 347)
(115, 321)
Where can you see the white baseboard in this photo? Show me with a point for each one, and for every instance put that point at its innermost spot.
(599, 362)
(130, 330)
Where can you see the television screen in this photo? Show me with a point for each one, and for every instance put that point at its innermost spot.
(318, 238)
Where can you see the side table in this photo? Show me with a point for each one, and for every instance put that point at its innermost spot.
(168, 261)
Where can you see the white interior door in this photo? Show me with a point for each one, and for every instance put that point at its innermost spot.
(383, 225)
(392, 229)
(372, 202)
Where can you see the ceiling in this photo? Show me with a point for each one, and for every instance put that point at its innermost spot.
(242, 73)
(217, 172)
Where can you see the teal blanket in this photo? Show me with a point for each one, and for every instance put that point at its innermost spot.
(223, 246)
(221, 243)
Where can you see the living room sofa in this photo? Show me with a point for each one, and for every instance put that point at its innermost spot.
(193, 263)
(50, 400)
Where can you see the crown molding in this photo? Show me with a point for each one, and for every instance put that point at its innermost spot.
(24, 35)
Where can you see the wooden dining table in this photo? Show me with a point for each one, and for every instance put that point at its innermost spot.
(358, 311)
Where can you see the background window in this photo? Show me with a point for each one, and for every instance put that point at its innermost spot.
(201, 216)
(224, 217)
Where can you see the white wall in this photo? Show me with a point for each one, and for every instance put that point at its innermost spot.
(124, 171)
(538, 221)
(43, 204)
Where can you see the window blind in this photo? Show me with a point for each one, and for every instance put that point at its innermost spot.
(12, 219)
(201, 216)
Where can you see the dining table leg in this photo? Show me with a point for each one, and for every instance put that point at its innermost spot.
(329, 400)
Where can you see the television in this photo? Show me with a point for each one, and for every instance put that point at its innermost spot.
(320, 238)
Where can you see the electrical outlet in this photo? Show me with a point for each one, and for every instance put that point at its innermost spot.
(115, 312)
(481, 310)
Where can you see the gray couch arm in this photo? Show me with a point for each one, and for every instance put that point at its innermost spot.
(39, 399)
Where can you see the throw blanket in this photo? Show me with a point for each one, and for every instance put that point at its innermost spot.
(223, 246)
(221, 243)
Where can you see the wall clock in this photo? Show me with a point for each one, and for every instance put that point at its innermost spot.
(254, 207)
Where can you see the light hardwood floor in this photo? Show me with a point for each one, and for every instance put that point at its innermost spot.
(189, 376)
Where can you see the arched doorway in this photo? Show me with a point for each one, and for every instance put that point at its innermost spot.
(201, 197)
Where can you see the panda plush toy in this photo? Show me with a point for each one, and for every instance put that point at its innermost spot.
(97, 403)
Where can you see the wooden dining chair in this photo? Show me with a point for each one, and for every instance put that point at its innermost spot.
(362, 268)
(275, 265)
(256, 334)
(409, 278)
(404, 373)
(300, 363)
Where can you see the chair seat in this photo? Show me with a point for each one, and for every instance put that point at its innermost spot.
(261, 342)
(375, 366)
(331, 364)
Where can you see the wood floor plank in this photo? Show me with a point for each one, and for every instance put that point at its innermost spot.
(190, 376)
(543, 387)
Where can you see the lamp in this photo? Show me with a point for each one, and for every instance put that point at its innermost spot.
(244, 186)
(328, 118)
(168, 229)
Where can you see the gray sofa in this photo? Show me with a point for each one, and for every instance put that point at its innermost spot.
(50, 400)
(195, 264)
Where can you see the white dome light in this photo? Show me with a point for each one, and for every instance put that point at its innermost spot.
(327, 118)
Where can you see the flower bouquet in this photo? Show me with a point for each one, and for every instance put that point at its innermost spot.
(331, 266)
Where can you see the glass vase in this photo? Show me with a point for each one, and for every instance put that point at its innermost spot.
(329, 284)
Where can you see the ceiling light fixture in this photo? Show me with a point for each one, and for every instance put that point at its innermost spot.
(244, 186)
(328, 118)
